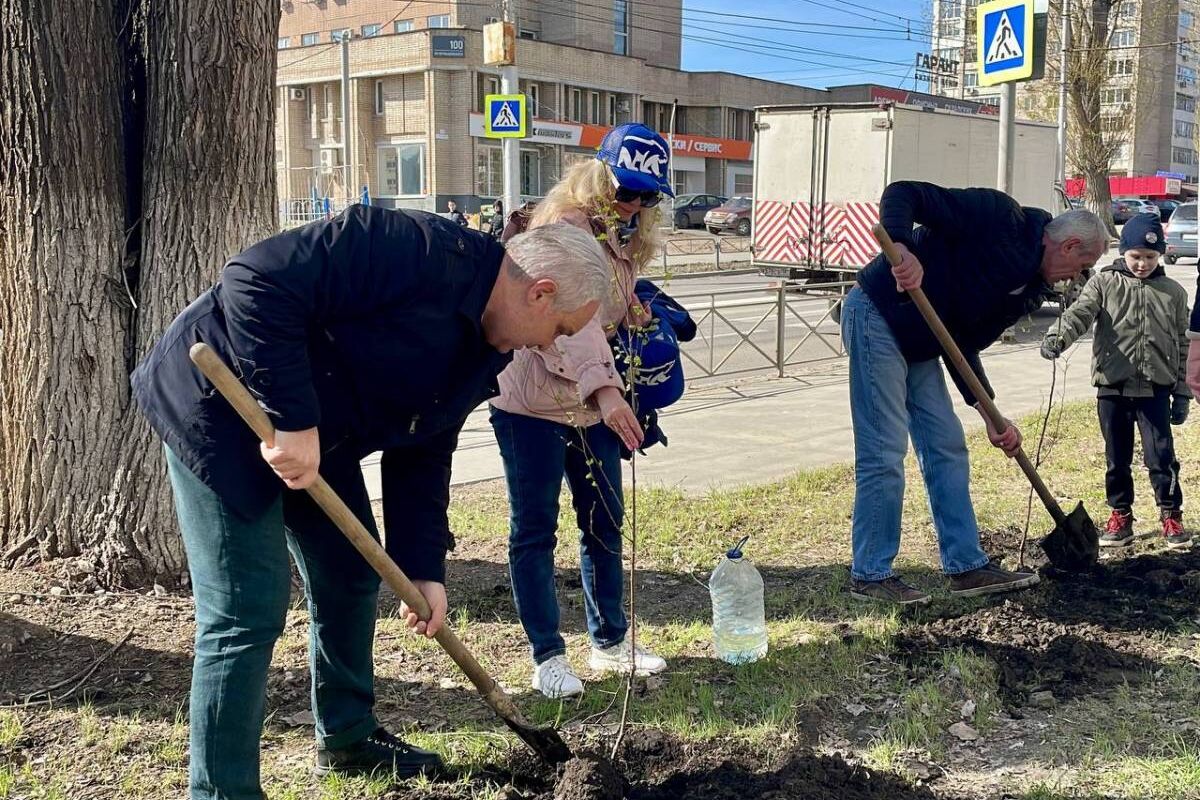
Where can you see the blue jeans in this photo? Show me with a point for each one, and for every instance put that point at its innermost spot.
(537, 453)
(891, 399)
(242, 584)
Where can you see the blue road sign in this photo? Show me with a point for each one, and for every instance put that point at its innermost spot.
(1005, 36)
(504, 116)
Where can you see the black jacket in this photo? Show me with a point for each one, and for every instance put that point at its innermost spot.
(367, 326)
(982, 254)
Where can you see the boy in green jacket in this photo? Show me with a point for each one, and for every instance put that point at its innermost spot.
(1139, 358)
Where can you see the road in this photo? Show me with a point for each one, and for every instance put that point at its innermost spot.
(753, 427)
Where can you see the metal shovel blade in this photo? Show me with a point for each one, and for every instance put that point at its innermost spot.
(1074, 544)
(546, 742)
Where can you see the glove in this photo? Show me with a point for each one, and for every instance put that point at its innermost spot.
(1180, 406)
(1051, 347)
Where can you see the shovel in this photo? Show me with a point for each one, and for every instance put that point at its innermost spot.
(1074, 544)
(544, 741)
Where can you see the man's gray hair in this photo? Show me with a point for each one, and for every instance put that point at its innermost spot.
(567, 255)
(1080, 224)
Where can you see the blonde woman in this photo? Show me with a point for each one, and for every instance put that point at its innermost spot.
(562, 412)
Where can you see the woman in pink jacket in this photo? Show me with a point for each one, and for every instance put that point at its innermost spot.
(563, 411)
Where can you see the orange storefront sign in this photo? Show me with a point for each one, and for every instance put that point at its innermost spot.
(682, 145)
(573, 134)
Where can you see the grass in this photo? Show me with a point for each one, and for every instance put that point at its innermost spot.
(835, 670)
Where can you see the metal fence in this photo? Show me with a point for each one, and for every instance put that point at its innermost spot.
(742, 331)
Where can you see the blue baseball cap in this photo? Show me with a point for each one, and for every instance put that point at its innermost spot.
(638, 157)
(658, 379)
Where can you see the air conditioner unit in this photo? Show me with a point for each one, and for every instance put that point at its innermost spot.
(623, 106)
(297, 93)
(329, 159)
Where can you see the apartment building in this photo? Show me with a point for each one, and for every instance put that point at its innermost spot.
(417, 81)
(1149, 100)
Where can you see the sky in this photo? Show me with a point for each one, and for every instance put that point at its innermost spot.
(816, 43)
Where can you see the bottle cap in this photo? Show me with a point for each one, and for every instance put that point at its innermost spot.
(735, 552)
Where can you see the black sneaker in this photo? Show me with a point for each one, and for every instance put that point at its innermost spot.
(1173, 533)
(990, 579)
(379, 753)
(1118, 531)
(888, 590)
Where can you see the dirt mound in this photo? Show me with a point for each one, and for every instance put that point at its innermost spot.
(589, 777)
(798, 774)
(1032, 653)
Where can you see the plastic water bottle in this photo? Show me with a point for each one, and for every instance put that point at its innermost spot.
(739, 621)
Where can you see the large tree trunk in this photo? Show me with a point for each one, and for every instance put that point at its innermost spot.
(80, 469)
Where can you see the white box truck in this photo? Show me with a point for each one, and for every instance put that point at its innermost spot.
(819, 171)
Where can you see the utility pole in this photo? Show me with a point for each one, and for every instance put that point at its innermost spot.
(511, 148)
(347, 127)
(1008, 130)
(671, 148)
(1064, 43)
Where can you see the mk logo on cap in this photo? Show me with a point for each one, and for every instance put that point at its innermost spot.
(649, 158)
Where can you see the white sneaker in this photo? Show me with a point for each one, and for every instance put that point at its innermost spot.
(618, 658)
(555, 679)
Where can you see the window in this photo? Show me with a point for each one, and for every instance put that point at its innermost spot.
(1184, 103)
(612, 109)
(535, 100)
(402, 170)
(743, 184)
(576, 105)
(402, 25)
(1185, 75)
(491, 85)
(309, 38)
(1185, 18)
(1183, 155)
(1185, 129)
(1127, 11)
(438, 21)
(489, 172)
(531, 173)
(336, 36)
(379, 98)
(1112, 123)
(971, 78)
(1122, 66)
(1124, 37)
(527, 34)
(284, 41)
(1116, 97)
(371, 30)
(594, 108)
(950, 28)
(621, 27)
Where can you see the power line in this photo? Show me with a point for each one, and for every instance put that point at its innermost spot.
(842, 10)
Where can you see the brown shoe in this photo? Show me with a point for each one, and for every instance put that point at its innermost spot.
(888, 590)
(990, 579)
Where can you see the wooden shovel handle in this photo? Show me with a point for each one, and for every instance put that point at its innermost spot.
(232, 389)
(950, 347)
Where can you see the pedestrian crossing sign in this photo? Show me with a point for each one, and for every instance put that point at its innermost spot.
(1004, 33)
(504, 116)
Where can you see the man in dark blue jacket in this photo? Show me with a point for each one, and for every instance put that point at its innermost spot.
(378, 330)
(983, 261)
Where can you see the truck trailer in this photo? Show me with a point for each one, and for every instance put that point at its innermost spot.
(819, 171)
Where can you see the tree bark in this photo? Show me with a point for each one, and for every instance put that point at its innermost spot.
(178, 154)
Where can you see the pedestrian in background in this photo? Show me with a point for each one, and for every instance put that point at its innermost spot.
(454, 215)
(496, 225)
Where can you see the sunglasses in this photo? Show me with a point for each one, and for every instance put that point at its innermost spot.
(649, 197)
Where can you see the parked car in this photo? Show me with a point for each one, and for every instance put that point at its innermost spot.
(1166, 208)
(733, 215)
(690, 209)
(1124, 208)
(1181, 233)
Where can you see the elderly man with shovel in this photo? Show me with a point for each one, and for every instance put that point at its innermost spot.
(376, 330)
(983, 261)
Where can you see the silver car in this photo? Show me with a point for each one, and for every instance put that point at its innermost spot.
(1181, 233)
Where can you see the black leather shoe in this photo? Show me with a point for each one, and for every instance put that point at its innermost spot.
(379, 754)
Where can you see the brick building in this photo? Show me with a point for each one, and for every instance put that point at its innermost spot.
(417, 82)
